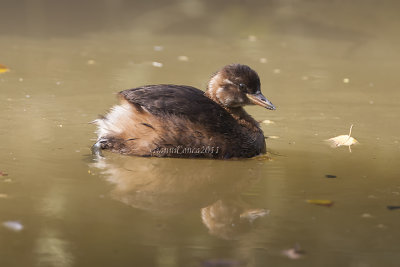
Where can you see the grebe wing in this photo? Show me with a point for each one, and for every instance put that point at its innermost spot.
(179, 100)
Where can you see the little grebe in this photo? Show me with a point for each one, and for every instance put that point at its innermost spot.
(181, 121)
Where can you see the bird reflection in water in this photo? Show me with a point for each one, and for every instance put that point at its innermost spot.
(228, 218)
(174, 186)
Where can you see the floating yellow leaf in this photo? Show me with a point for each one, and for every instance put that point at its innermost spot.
(321, 202)
(343, 140)
(3, 68)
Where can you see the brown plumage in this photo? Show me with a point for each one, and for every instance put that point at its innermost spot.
(181, 121)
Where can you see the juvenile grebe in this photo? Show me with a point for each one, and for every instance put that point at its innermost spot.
(184, 122)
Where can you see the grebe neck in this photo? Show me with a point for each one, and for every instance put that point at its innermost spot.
(214, 89)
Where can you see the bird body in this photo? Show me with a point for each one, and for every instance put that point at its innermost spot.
(182, 121)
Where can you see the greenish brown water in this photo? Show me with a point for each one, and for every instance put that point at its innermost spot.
(324, 64)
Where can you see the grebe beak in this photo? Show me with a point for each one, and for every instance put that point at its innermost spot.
(259, 99)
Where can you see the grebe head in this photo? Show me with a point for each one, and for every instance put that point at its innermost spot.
(237, 85)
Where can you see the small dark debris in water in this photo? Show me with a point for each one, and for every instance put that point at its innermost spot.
(321, 202)
(3, 173)
(330, 176)
(221, 263)
(393, 207)
(161, 226)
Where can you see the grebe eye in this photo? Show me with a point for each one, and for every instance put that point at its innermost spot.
(242, 86)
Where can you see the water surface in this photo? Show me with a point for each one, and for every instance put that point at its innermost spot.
(325, 65)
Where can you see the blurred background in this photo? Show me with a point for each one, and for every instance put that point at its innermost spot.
(325, 64)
